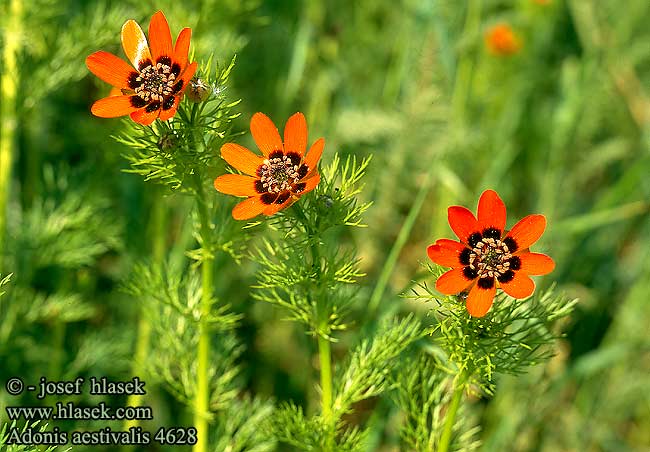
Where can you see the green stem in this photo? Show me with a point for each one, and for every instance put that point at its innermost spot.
(201, 403)
(202, 382)
(315, 254)
(324, 345)
(8, 107)
(325, 356)
(445, 438)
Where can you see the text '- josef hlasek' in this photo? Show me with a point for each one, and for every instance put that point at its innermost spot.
(97, 386)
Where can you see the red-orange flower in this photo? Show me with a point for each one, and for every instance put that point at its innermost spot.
(278, 178)
(154, 88)
(501, 40)
(487, 256)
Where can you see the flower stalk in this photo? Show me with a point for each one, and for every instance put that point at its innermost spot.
(445, 438)
(8, 107)
(201, 402)
(324, 345)
(325, 357)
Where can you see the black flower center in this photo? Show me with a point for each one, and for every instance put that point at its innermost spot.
(490, 258)
(156, 83)
(280, 172)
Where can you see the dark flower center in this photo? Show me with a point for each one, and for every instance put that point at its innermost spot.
(280, 172)
(154, 82)
(157, 82)
(155, 85)
(490, 258)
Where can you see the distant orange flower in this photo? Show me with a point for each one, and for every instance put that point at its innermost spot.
(542, 2)
(487, 256)
(279, 177)
(501, 40)
(154, 88)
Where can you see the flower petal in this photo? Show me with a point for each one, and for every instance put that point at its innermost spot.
(145, 117)
(109, 68)
(527, 231)
(521, 286)
(480, 300)
(160, 37)
(134, 43)
(313, 156)
(462, 222)
(295, 134)
(265, 134)
(113, 106)
(275, 207)
(185, 77)
(446, 253)
(248, 208)
(536, 263)
(236, 184)
(453, 282)
(310, 184)
(241, 158)
(182, 47)
(171, 111)
(491, 211)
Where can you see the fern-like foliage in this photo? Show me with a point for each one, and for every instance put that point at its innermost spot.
(243, 427)
(423, 392)
(513, 336)
(171, 288)
(173, 302)
(291, 426)
(367, 372)
(51, 58)
(70, 232)
(317, 291)
(54, 243)
(339, 190)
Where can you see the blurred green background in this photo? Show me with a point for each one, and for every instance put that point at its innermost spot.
(559, 127)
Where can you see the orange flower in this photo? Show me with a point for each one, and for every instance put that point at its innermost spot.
(501, 40)
(488, 256)
(279, 177)
(154, 88)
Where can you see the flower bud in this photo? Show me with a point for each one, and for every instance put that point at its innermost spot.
(326, 201)
(167, 141)
(198, 91)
